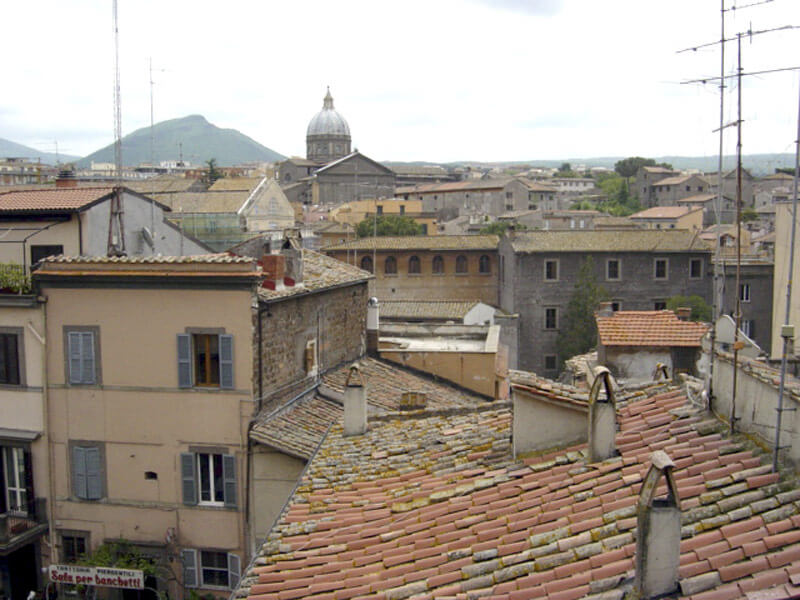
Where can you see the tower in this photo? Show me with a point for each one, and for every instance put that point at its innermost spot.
(328, 135)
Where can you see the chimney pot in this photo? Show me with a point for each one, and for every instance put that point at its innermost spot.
(373, 326)
(604, 310)
(602, 417)
(355, 403)
(658, 532)
(683, 313)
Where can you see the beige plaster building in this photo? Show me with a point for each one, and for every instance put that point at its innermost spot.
(670, 217)
(440, 267)
(783, 238)
(149, 391)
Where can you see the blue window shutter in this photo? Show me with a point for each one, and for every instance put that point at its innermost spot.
(94, 473)
(229, 477)
(188, 478)
(226, 361)
(87, 357)
(79, 472)
(184, 360)
(189, 559)
(74, 356)
(234, 570)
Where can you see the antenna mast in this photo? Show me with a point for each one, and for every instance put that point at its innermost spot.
(116, 231)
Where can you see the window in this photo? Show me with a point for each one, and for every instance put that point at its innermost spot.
(612, 269)
(88, 473)
(484, 265)
(366, 263)
(438, 265)
(413, 265)
(551, 270)
(17, 479)
(380, 209)
(695, 268)
(748, 327)
(744, 292)
(82, 346)
(509, 207)
(74, 545)
(402, 209)
(616, 305)
(205, 360)
(208, 478)
(660, 268)
(659, 305)
(461, 264)
(551, 318)
(550, 362)
(390, 266)
(40, 252)
(210, 568)
(11, 370)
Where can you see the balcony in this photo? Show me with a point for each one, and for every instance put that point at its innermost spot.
(17, 530)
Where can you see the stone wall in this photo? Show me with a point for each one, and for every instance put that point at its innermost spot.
(335, 319)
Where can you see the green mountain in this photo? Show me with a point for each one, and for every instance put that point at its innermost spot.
(193, 137)
(10, 149)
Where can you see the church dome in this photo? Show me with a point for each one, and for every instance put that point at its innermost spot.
(328, 121)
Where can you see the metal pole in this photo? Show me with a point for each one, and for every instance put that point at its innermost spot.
(790, 274)
(738, 314)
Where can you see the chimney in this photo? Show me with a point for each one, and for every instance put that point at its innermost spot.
(602, 417)
(355, 403)
(293, 251)
(604, 310)
(373, 326)
(274, 266)
(683, 313)
(66, 179)
(658, 532)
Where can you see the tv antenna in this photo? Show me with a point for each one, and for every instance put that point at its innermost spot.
(116, 230)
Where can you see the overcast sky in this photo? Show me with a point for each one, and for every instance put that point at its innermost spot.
(435, 80)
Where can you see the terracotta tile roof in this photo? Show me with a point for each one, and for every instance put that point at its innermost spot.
(434, 506)
(644, 240)
(219, 258)
(658, 328)
(675, 180)
(51, 199)
(162, 184)
(297, 428)
(319, 272)
(241, 184)
(421, 242)
(658, 170)
(204, 202)
(663, 212)
(697, 199)
(426, 309)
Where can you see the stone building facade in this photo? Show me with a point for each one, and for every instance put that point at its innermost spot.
(756, 279)
(638, 269)
(438, 267)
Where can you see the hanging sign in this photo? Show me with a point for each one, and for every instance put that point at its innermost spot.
(100, 576)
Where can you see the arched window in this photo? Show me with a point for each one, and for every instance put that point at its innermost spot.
(366, 263)
(438, 265)
(484, 265)
(461, 264)
(390, 266)
(413, 265)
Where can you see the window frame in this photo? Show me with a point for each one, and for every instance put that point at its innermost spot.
(190, 477)
(618, 264)
(191, 560)
(659, 305)
(367, 259)
(390, 260)
(546, 324)
(18, 333)
(75, 535)
(44, 253)
(87, 489)
(554, 358)
(699, 263)
(745, 293)
(69, 331)
(555, 263)
(437, 265)
(187, 357)
(462, 264)
(656, 262)
(484, 265)
(22, 486)
(414, 265)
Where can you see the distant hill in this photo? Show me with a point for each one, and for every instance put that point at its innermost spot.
(9, 149)
(198, 139)
(758, 164)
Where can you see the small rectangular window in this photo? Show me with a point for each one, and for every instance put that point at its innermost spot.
(612, 269)
(210, 568)
(88, 470)
(660, 268)
(616, 305)
(551, 270)
(39, 252)
(550, 362)
(205, 360)
(659, 305)
(208, 478)
(74, 545)
(82, 345)
(10, 358)
(16, 464)
(744, 292)
(551, 318)
(696, 268)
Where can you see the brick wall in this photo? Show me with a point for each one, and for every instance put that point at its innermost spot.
(336, 319)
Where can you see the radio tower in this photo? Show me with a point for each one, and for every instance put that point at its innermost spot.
(116, 231)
